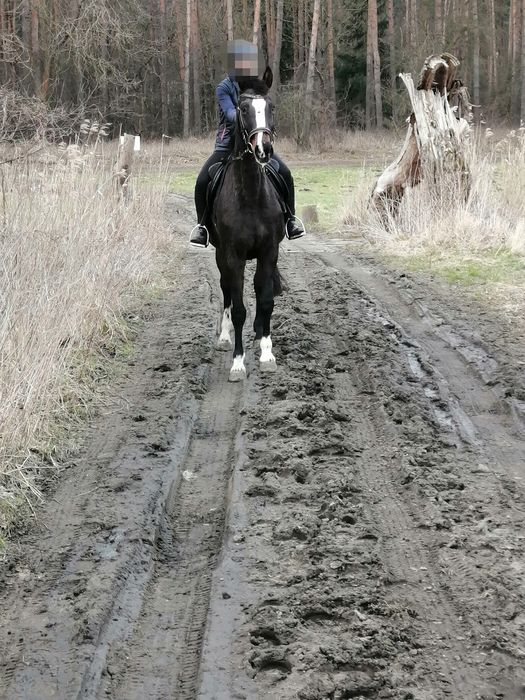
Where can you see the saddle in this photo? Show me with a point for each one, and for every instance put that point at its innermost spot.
(216, 174)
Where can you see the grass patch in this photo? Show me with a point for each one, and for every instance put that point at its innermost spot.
(328, 188)
(490, 267)
(325, 187)
(183, 182)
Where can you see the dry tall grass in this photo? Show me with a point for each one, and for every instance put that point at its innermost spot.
(69, 252)
(430, 217)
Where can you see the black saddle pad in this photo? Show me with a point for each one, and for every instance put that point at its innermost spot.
(216, 173)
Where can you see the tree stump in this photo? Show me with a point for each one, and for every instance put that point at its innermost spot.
(309, 214)
(435, 144)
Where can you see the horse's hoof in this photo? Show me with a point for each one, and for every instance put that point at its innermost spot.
(268, 366)
(224, 344)
(237, 375)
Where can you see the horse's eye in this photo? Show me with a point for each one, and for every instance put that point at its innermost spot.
(244, 109)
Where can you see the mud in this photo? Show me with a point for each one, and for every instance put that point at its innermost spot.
(351, 526)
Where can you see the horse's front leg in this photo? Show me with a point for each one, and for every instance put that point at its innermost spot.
(238, 316)
(224, 342)
(264, 292)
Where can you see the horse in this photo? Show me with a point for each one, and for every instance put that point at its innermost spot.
(248, 223)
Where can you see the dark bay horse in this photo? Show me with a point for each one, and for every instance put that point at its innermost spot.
(247, 223)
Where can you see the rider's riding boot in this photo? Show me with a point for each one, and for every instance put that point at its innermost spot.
(199, 236)
(294, 228)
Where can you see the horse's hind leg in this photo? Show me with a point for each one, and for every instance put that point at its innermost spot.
(264, 292)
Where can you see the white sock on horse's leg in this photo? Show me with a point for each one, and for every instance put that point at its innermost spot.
(238, 370)
(267, 358)
(225, 342)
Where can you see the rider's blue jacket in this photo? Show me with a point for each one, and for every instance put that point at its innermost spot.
(227, 93)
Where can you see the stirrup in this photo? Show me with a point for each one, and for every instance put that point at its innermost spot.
(200, 245)
(302, 224)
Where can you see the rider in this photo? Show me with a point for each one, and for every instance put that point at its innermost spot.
(242, 62)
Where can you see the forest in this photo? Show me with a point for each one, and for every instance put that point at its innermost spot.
(151, 66)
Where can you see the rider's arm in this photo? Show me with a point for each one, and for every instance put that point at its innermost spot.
(226, 102)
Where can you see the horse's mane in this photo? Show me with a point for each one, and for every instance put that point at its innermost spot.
(254, 85)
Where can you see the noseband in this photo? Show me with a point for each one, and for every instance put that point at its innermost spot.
(247, 135)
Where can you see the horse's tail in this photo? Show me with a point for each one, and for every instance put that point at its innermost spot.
(278, 283)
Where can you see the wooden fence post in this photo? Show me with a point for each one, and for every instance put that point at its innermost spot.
(124, 165)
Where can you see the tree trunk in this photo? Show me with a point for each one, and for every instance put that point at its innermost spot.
(522, 110)
(300, 38)
(512, 16)
(391, 37)
(12, 33)
(438, 22)
(276, 64)
(35, 46)
(295, 34)
(330, 57)
(245, 20)
(186, 89)
(229, 20)
(178, 10)
(196, 67)
(414, 26)
(256, 21)
(309, 94)
(369, 105)
(475, 60)
(3, 33)
(516, 59)
(270, 31)
(373, 69)
(162, 67)
(493, 59)
(307, 29)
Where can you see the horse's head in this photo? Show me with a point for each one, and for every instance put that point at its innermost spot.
(255, 116)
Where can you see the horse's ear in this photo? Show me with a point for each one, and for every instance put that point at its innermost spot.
(268, 77)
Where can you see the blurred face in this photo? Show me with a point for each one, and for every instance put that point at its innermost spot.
(243, 59)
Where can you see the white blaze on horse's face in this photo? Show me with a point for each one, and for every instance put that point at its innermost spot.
(259, 105)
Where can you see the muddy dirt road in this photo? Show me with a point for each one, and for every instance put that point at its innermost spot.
(352, 526)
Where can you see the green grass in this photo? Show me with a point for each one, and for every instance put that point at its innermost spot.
(492, 267)
(183, 182)
(325, 187)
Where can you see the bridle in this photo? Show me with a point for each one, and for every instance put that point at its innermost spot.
(247, 135)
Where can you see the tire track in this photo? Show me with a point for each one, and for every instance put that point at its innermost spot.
(161, 658)
(111, 598)
(388, 558)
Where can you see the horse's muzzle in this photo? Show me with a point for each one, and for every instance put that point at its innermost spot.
(261, 143)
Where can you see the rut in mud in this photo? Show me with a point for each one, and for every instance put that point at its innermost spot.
(349, 527)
